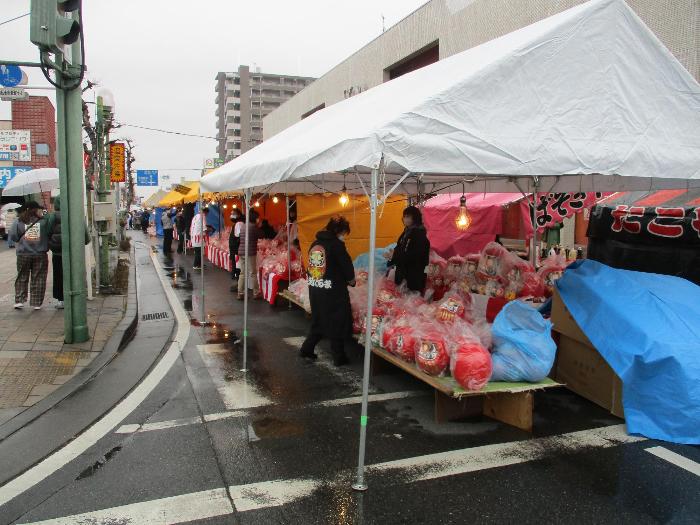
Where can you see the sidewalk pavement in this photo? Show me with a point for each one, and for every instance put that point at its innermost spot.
(34, 360)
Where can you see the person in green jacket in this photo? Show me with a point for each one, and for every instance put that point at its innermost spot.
(30, 233)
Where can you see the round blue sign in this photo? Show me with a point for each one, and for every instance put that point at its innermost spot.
(10, 76)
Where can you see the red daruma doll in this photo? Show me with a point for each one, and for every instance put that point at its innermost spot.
(431, 355)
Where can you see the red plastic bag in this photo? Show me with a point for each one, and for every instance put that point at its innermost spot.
(471, 365)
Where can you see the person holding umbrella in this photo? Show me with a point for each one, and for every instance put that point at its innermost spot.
(30, 233)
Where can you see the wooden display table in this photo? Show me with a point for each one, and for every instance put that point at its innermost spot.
(510, 403)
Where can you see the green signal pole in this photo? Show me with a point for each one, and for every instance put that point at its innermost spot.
(102, 189)
(72, 184)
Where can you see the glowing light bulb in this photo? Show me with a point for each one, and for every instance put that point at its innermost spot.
(257, 204)
(464, 219)
(344, 198)
(225, 206)
(234, 206)
(275, 199)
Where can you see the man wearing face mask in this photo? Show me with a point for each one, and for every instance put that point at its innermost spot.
(412, 252)
(330, 272)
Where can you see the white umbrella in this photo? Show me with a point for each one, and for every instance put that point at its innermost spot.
(32, 181)
(9, 206)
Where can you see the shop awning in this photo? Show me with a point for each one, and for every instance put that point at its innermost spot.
(153, 200)
(586, 100)
(181, 193)
(664, 198)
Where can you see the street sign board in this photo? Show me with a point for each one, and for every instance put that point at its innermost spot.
(8, 173)
(213, 163)
(184, 190)
(147, 177)
(116, 162)
(15, 144)
(10, 76)
(13, 93)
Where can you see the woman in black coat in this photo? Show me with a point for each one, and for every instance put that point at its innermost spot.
(412, 252)
(329, 275)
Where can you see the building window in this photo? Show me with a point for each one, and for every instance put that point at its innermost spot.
(236, 145)
(311, 112)
(421, 58)
(42, 149)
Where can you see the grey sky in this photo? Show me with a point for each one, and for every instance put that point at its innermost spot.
(160, 57)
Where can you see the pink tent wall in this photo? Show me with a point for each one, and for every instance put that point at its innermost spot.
(487, 211)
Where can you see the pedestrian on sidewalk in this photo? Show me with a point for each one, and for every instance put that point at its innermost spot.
(234, 242)
(330, 273)
(181, 225)
(250, 235)
(199, 224)
(145, 217)
(166, 220)
(56, 247)
(30, 233)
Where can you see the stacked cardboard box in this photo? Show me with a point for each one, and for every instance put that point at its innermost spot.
(579, 365)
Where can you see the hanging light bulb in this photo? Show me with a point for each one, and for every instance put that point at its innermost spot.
(275, 200)
(464, 219)
(234, 206)
(257, 204)
(225, 206)
(344, 197)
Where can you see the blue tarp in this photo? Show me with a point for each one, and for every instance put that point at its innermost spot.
(647, 327)
(362, 260)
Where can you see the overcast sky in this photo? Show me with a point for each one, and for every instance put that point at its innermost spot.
(160, 57)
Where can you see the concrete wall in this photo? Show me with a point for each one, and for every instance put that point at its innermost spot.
(461, 24)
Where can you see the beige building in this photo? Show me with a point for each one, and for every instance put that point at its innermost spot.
(441, 28)
(243, 98)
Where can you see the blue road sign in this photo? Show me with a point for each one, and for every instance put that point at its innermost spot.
(10, 76)
(147, 177)
(7, 174)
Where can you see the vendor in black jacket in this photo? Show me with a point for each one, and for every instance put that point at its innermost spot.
(330, 272)
(411, 255)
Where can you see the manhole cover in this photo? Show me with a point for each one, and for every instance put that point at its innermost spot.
(156, 316)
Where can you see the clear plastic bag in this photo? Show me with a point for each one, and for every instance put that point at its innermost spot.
(523, 347)
(432, 355)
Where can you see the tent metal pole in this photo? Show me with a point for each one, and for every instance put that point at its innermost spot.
(246, 268)
(289, 249)
(360, 482)
(533, 254)
(201, 252)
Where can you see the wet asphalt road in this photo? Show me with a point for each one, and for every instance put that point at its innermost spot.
(283, 437)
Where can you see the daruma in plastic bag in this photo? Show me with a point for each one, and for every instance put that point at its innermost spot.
(471, 366)
(431, 354)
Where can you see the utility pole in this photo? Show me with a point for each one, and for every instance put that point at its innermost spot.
(55, 28)
(105, 105)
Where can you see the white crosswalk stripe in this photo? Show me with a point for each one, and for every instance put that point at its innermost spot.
(676, 459)
(217, 416)
(260, 495)
(165, 511)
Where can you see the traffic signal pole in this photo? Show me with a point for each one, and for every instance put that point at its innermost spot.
(70, 169)
(55, 28)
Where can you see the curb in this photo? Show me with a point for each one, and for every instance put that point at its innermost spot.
(121, 336)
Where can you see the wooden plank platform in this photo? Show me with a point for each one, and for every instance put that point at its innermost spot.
(510, 403)
(289, 296)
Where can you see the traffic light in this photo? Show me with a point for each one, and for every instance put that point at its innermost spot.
(52, 25)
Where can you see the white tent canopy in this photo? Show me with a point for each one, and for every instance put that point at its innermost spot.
(587, 100)
(589, 97)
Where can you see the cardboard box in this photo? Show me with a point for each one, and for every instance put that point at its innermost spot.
(579, 365)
